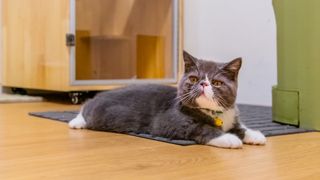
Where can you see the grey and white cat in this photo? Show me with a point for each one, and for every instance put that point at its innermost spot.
(206, 91)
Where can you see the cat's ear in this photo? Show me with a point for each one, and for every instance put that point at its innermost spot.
(189, 62)
(233, 66)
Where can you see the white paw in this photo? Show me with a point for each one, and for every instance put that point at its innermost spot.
(226, 141)
(254, 137)
(78, 122)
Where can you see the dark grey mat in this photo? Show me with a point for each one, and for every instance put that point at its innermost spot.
(255, 117)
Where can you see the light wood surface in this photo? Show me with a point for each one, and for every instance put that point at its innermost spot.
(150, 58)
(136, 20)
(34, 52)
(35, 148)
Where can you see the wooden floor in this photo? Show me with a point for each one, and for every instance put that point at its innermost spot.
(34, 148)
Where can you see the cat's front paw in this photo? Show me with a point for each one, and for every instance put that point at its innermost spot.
(254, 137)
(226, 141)
(78, 122)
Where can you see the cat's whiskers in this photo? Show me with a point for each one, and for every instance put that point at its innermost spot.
(187, 97)
(184, 97)
(220, 101)
(192, 96)
(195, 95)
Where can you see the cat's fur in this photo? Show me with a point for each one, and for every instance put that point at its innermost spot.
(185, 112)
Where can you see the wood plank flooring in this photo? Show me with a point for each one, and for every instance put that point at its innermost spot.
(35, 148)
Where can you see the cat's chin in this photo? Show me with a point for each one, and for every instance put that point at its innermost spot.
(205, 103)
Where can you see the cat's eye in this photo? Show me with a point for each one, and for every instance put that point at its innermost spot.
(217, 83)
(193, 79)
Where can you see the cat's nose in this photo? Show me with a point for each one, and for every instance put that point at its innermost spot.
(204, 84)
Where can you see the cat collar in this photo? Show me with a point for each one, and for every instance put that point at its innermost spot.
(215, 114)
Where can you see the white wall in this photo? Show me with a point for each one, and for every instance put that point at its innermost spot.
(226, 29)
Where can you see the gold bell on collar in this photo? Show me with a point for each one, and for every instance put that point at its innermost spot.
(218, 122)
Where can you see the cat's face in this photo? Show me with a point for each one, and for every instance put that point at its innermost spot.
(207, 84)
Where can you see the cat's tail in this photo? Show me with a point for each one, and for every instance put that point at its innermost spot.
(78, 122)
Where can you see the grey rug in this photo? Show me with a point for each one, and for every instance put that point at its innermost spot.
(255, 117)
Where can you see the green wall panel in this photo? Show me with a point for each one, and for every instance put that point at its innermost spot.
(298, 44)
